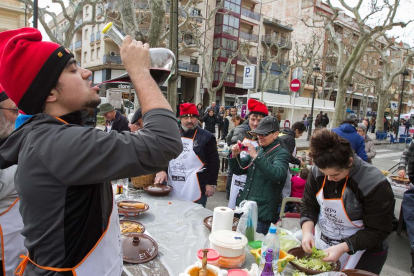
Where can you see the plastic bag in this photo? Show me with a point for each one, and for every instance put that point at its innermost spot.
(248, 221)
(287, 239)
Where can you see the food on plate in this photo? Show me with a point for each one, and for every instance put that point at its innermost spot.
(385, 172)
(129, 227)
(138, 205)
(314, 261)
(401, 179)
(231, 262)
(298, 273)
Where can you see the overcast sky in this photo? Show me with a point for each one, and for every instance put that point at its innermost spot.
(404, 14)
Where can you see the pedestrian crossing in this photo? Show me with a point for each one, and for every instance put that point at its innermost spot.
(387, 153)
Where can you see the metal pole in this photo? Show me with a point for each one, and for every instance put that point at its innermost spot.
(404, 73)
(35, 8)
(315, 69)
(293, 108)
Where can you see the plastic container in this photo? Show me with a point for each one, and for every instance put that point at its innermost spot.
(232, 262)
(271, 241)
(228, 243)
(237, 272)
(212, 256)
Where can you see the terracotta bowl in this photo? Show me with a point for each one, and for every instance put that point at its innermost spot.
(208, 222)
(158, 189)
(357, 272)
(130, 211)
(300, 253)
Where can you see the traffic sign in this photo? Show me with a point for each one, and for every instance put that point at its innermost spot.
(295, 85)
(297, 73)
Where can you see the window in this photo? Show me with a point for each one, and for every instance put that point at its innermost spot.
(92, 54)
(85, 54)
(87, 10)
(98, 52)
(86, 34)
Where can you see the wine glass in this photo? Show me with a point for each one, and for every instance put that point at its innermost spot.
(162, 59)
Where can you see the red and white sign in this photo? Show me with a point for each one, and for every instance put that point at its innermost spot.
(295, 85)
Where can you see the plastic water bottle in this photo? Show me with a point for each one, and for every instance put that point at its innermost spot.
(271, 241)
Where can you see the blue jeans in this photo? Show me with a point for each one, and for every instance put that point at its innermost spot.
(202, 201)
(263, 227)
(408, 212)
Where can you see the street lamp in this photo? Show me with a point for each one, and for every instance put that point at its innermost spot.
(316, 70)
(404, 73)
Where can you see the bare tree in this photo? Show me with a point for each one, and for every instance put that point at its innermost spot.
(366, 36)
(72, 14)
(384, 79)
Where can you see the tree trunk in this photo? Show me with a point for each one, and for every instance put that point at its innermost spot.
(157, 22)
(340, 107)
(172, 82)
(127, 9)
(380, 112)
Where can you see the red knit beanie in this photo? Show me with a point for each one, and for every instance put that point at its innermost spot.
(256, 107)
(30, 67)
(188, 109)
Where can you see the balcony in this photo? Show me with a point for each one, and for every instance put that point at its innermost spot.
(250, 14)
(92, 39)
(252, 59)
(273, 39)
(249, 36)
(112, 59)
(185, 66)
(278, 23)
(78, 45)
(239, 79)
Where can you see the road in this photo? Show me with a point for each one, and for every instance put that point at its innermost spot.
(399, 259)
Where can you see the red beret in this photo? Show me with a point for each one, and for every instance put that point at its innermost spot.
(256, 107)
(188, 109)
(30, 67)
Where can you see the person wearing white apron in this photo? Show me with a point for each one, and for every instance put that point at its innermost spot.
(257, 111)
(238, 181)
(193, 174)
(12, 244)
(350, 204)
(100, 260)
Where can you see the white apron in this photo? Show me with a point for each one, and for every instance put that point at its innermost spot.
(334, 225)
(182, 172)
(105, 259)
(12, 242)
(238, 181)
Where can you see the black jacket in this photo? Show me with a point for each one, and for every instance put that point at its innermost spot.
(120, 123)
(288, 137)
(368, 197)
(210, 122)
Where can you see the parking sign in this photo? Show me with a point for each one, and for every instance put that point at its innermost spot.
(249, 76)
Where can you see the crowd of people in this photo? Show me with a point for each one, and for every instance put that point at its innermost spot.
(56, 200)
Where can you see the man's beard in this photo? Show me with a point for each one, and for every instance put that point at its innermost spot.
(91, 103)
(187, 128)
(6, 127)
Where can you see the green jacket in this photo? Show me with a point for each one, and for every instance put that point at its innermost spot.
(265, 179)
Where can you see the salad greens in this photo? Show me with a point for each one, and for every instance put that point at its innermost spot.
(298, 273)
(314, 261)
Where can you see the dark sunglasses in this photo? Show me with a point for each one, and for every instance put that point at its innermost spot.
(13, 110)
(263, 135)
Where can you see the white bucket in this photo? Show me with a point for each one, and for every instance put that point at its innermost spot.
(228, 243)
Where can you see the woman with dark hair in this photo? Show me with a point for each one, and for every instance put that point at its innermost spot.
(200, 110)
(350, 204)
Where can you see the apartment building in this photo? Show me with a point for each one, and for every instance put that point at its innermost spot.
(13, 15)
(243, 22)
